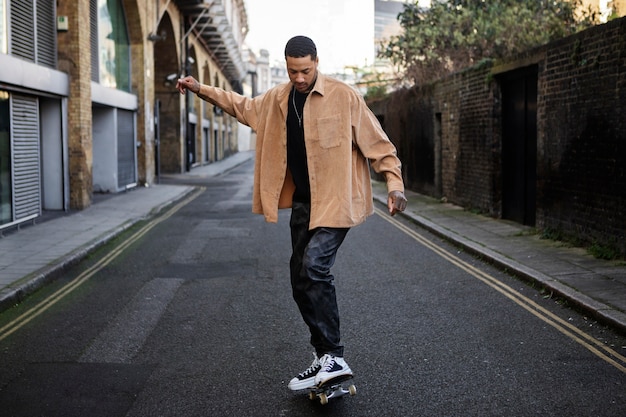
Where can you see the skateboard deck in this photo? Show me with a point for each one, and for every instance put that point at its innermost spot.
(333, 388)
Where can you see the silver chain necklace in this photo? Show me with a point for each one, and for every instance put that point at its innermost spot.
(293, 101)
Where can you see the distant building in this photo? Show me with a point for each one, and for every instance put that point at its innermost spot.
(264, 75)
(279, 75)
(381, 75)
(386, 22)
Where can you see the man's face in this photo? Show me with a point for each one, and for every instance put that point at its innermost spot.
(302, 72)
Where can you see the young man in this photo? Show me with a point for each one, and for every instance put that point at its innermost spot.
(315, 138)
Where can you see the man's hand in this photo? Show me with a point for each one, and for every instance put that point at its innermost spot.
(188, 83)
(396, 202)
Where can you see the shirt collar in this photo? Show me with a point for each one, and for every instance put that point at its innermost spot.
(319, 84)
(318, 87)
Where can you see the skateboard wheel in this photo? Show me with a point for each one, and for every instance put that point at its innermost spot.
(312, 395)
(323, 399)
(352, 390)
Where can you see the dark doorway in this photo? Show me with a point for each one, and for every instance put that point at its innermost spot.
(519, 145)
(191, 145)
(157, 140)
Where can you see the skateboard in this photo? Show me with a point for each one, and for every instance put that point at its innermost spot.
(333, 388)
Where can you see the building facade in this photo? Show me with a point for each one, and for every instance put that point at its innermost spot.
(386, 23)
(87, 97)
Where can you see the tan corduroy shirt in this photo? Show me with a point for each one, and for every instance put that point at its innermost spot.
(341, 135)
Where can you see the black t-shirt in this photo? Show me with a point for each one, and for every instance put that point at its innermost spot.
(296, 149)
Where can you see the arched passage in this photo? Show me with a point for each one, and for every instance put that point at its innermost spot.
(166, 72)
(139, 83)
(193, 143)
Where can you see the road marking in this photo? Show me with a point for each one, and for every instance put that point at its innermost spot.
(590, 343)
(127, 333)
(57, 296)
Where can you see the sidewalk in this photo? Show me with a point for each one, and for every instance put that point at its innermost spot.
(38, 254)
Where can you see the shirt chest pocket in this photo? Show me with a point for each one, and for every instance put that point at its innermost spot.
(329, 131)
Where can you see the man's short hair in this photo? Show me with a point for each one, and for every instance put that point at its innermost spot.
(299, 47)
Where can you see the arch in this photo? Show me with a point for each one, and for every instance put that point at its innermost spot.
(208, 120)
(194, 114)
(166, 72)
(138, 84)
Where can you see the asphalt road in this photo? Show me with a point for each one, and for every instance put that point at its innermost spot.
(194, 318)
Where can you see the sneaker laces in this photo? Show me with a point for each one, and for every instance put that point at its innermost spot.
(327, 362)
(311, 369)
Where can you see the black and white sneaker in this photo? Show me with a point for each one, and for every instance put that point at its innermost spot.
(306, 379)
(331, 367)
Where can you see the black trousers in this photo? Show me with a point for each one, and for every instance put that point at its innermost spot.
(313, 287)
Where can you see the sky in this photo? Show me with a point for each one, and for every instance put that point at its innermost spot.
(343, 30)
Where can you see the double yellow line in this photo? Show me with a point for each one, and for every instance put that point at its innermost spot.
(58, 295)
(593, 345)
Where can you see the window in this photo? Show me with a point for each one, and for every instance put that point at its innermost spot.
(6, 205)
(113, 45)
(32, 30)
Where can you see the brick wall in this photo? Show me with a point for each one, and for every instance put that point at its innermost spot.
(445, 138)
(581, 136)
(469, 148)
(405, 112)
(75, 59)
(74, 51)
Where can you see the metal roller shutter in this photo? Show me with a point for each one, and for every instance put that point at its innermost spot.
(26, 171)
(126, 170)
